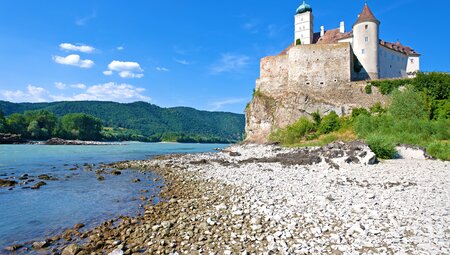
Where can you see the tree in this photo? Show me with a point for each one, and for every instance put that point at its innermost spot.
(80, 126)
(42, 124)
(17, 124)
(3, 125)
(407, 104)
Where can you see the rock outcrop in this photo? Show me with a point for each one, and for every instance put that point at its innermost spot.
(11, 139)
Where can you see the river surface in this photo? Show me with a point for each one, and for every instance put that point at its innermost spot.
(76, 196)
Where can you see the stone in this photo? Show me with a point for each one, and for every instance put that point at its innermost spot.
(78, 226)
(7, 183)
(41, 244)
(71, 249)
(116, 252)
(13, 247)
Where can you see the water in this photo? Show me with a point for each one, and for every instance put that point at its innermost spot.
(77, 196)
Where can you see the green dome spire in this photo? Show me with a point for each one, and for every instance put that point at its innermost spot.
(304, 7)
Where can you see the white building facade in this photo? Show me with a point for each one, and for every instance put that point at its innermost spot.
(373, 57)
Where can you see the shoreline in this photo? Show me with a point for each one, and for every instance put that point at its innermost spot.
(251, 199)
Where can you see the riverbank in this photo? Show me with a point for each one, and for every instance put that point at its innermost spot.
(268, 200)
(80, 188)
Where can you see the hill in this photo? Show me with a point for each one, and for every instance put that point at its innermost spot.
(146, 119)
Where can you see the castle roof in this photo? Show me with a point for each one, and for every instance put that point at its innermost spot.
(331, 36)
(399, 48)
(304, 7)
(366, 15)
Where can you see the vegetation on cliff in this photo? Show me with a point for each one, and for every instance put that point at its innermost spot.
(137, 121)
(418, 115)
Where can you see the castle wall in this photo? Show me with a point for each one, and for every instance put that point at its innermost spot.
(413, 66)
(274, 74)
(393, 64)
(319, 65)
(315, 66)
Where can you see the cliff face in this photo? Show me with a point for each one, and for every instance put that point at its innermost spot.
(305, 80)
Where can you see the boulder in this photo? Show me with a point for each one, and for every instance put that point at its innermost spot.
(7, 183)
(71, 249)
(41, 244)
(11, 139)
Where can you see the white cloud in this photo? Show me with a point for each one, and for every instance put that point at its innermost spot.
(219, 104)
(125, 69)
(128, 74)
(230, 63)
(108, 72)
(32, 94)
(120, 48)
(102, 92)
(80, 48)
(74, 60)
(182, 61)
(161, 69)
(108, 92)
(60, 85)
(78, 86)
(84, 20)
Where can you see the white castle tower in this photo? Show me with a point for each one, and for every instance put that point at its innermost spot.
(304, 24)
(366, 42)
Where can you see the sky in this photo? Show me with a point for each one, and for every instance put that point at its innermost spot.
(197, 53)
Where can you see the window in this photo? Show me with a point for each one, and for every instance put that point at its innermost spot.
(363, 51)
(411, 60)
(367, 26)
(366, 39)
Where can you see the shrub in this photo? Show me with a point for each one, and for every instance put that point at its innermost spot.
(377, 108)
(358, 111)
(382, 146)
(329, 123)
(407, 104)
(316, 117)
(294, 132)
(298, 42)
(368, 89)
(257, 93)
(440, 150)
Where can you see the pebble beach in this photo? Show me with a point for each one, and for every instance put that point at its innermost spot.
(264, 199)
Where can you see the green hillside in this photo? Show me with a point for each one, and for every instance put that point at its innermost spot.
(146, 119)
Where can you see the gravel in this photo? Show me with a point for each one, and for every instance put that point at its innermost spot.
(262, 199)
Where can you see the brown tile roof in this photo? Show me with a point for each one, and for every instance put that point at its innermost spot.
(399, 48)
(331, 36)
(366, 15)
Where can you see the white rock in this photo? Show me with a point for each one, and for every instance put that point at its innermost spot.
(116, 252)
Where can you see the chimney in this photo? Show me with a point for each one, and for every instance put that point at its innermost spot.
(322, 30)
(342, 27)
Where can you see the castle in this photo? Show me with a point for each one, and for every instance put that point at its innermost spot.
(372, 57)
(325, 71)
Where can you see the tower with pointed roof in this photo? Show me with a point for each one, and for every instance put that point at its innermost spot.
(366, 43)
(304, 29)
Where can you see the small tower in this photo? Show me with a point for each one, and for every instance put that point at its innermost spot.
(366, 42)
(304, 24)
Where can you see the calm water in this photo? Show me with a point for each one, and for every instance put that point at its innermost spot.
(77, 196)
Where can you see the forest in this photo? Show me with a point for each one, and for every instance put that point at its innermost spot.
(110, 121)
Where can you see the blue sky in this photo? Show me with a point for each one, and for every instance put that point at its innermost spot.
(197, 53)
